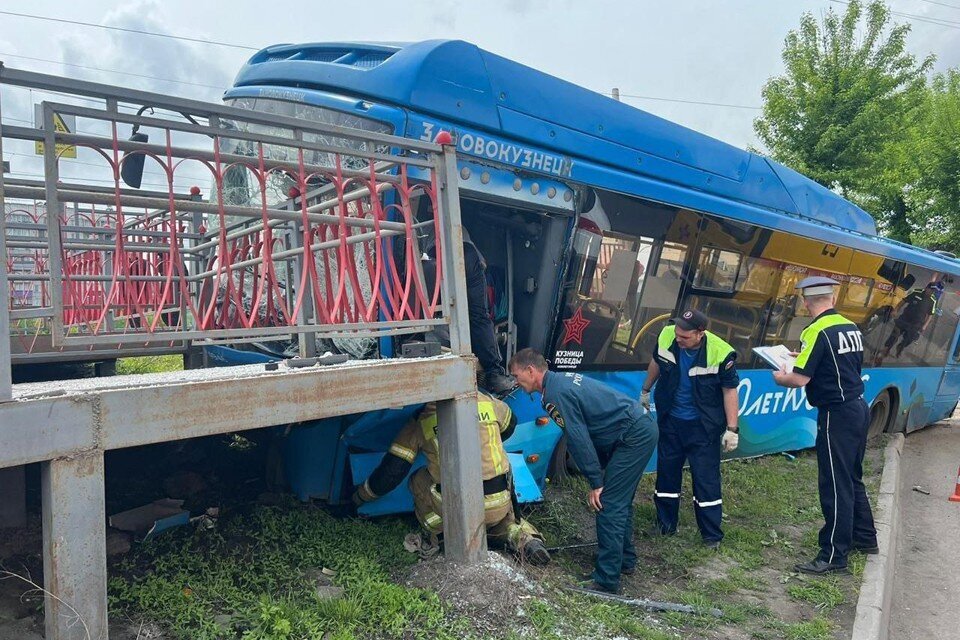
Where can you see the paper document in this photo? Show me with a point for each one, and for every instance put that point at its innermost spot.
(777, 356)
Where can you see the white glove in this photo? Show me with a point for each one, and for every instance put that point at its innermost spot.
(730, 441)
(645, 399)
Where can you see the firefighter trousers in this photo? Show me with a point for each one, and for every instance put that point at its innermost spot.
(504, 527)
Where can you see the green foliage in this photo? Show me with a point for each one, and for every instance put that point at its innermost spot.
(251, 569)
(149, 364)
(938, 157)
(843, 96)
(848, 111)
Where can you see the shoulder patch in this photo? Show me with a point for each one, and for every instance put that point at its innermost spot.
(554, 414)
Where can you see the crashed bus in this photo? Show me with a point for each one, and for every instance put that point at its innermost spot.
(598, 221)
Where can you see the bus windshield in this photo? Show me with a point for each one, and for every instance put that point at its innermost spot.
(238, 189)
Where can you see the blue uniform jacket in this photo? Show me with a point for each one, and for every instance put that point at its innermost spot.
(714, 369)
(593, 415)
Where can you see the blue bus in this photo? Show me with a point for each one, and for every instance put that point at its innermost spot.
(600, 222)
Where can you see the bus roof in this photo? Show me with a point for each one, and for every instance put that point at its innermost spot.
(459, 82)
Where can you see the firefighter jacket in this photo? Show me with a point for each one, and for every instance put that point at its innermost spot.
(494, 418)
(713, 370)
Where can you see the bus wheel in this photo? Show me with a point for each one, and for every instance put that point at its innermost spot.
(879, 415)
(561, 464)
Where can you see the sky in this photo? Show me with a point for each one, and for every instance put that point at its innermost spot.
(688, 50)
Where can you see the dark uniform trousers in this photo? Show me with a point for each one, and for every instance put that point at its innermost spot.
(483, 339)
(682, 440)
(841, 442)
(621, 476)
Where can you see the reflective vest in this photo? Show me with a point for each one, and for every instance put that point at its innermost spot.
(493, 417)
(713, 369)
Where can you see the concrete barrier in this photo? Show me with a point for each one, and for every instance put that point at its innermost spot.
(873, 606)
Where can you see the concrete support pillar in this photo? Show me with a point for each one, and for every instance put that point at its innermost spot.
(13, 497)
(464, 532)
(74, 548)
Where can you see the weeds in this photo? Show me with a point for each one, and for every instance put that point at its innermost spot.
(149, 364)
(823, 593)
(248, 578)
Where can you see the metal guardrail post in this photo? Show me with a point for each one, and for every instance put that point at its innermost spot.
(455, 285)
(74, 548)
(465, 535)
(6, 389)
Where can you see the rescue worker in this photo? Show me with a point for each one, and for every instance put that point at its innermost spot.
(496, 423)
(483, 340)
(829, 365)
(696, 404)
(916, 312)
(611, 439)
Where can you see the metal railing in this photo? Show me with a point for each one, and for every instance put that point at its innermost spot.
(307, 228)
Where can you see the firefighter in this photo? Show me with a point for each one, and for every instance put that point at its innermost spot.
(829, 365)
(696, 404)
(496, 423)
(611, 439)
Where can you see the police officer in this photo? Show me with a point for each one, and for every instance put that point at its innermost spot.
(828, 365)
(696, 404)
(611, 438)
(502, 518)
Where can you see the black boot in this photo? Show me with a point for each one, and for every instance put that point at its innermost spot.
(499, 383)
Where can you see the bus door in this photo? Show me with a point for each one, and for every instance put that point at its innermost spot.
(949, 389)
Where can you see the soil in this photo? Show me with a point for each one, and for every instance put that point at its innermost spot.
(489, 593)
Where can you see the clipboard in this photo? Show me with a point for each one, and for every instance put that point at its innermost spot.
(777, 356)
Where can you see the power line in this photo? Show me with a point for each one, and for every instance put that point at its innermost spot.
(937, 21)
(127, 30)
(941, 4)
(124, 73)
(699, 102)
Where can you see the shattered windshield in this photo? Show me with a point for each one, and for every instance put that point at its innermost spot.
(240, 189)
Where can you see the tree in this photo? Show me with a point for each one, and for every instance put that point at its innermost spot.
(938, 159)
(843, 110)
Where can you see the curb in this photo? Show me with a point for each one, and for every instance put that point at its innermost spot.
(872, 619)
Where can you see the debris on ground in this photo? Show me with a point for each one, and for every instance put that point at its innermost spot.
(118, 542)
(322, 580)
(488, 593)
(150, 519)
(421, 545)
(920, 489)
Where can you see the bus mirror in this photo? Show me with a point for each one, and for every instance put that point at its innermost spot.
(131, 168)
(907, 282)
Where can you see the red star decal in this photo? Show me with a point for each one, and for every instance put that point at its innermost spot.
(573, 328)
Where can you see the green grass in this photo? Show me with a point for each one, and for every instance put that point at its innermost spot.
(149, 364)
(251, 569)
(817, 629)
(245, 579)
(823, 593)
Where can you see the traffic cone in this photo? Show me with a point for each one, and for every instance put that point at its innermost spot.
(956, 492)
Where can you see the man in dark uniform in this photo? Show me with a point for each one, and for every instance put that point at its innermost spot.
(696, 402)
(611, 438)
(829, 365)
(916, 312)
(483, 340)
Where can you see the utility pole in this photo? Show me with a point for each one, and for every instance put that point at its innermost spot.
(616, 94)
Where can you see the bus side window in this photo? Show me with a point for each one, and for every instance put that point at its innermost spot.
(625, 275)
